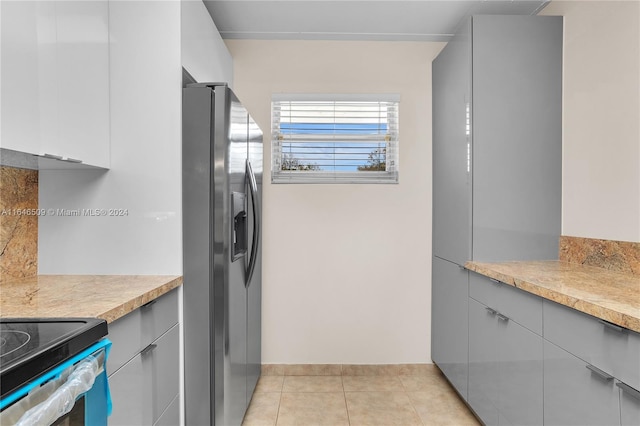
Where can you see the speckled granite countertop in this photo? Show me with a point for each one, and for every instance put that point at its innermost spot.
(100, 296)
(611, 296)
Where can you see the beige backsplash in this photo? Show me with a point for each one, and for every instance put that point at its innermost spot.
(18, 230)
(621, 256)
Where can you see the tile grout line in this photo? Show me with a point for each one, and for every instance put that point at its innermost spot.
(344, 395)
(279, 403)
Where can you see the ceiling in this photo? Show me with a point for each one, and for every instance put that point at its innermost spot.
(415, 20)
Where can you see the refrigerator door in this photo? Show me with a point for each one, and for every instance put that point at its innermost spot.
(222, 190)
(254, 285)
(197, 211)
(229, 275)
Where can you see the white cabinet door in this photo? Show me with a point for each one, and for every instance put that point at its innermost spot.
(82, 29)
(27, 49)
(55, 80)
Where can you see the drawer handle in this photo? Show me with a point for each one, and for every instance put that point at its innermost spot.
(148, 349)
(462, 268)
(612, 326)
(149, 304)
(493, 280)
(600, 373)
(503, 317)
(628, 390)
(491, 311)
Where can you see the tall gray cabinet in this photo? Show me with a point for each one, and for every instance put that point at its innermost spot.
(497, 152)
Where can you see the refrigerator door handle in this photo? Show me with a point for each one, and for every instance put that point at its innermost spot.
(253, 187)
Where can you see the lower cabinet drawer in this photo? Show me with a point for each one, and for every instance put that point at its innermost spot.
(484, 289)
(520, 306)
(131, 403)
(505, 369)
(171, 416)
(163, 365)
(144, 387)
(629, 406)
(608, 347)
(136, 330)
(576, 395)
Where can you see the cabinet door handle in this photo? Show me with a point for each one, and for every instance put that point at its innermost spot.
(600, 373)
(491, 311)
(503, 317)
(148, 349)
(612, 326)
(462, 267)
(493, 280)
(628, 390)
(72, 160)
(149, 304)
(55, 157)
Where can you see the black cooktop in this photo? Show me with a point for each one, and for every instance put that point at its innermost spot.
(30, 347)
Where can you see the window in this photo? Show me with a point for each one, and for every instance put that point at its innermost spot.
(334, 139)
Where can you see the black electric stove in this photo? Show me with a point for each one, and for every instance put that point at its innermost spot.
(30, 347)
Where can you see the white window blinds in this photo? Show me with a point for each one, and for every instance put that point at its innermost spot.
(334, 139)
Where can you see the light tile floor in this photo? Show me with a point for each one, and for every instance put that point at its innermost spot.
(420, 398)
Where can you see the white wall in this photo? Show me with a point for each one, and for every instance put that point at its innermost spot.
(145, 174)
(346, 275)
(601, 139)
(204, 54)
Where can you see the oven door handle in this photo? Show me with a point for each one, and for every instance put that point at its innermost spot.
(62, 400)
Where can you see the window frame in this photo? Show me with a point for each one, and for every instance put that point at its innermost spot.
(391, 141)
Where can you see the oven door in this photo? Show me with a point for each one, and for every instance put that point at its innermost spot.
(74, 393)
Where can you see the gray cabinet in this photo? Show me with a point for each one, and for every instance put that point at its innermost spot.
(451, 150)
(505, 357)
(607, 346)
(144, 366)
(592, 369)
(497, 140)
(483, 362)
(629, 405)
(171, 416)
(497, 153)
(520, 373)
(575, 392)
(516, 132)
(450, 322)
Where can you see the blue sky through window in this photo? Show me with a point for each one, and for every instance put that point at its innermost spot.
(334, 128)
(339, 154)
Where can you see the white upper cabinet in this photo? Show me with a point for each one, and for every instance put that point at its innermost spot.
(55, 80)
(20, 124)
(83, 81)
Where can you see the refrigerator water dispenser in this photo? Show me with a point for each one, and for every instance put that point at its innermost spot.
(239, 246)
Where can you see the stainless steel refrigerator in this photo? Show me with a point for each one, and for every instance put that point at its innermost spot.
(222, 187)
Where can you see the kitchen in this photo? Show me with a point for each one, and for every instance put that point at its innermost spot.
(325, 303)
